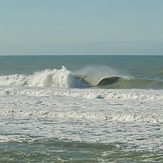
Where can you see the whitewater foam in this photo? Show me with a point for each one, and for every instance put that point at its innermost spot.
(89, 115)
(47, 78)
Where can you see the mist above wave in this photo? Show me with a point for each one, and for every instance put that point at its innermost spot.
(94, 74)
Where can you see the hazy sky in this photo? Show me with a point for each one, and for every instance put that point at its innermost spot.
(81, 26)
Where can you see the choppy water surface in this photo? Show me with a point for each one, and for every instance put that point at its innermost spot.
(81, 109)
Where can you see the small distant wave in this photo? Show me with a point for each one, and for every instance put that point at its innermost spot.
(129, 83)
(98, 77)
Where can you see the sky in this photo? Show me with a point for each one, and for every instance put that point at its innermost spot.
(81, 27)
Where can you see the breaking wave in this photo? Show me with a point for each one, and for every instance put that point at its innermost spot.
(47, 78)
(88, 76)
(101, 77)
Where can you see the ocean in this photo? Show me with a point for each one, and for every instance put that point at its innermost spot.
(81, 109)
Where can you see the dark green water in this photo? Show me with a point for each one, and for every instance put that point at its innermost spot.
(62, 151)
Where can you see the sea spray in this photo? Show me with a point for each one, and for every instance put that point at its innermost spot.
(56, 77)
(46, 78)
(94, 74)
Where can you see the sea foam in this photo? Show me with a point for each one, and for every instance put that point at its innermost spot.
(54, 78)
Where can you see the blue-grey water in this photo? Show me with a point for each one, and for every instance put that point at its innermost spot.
(139, 66)
(29, 131)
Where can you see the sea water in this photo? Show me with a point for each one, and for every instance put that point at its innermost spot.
(53, 109)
